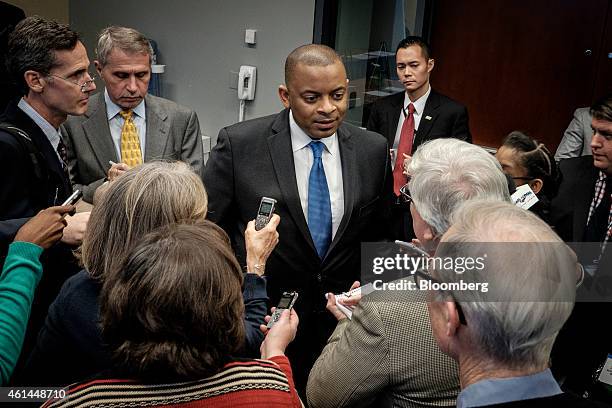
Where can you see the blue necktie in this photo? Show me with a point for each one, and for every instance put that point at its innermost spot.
(319, 205)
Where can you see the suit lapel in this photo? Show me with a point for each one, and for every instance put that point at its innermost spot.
(393, 115)
(347, 157)
(97, 132)
(40, 140)
(581, 209)
(425, 125)
(281, 154)
(157, 131)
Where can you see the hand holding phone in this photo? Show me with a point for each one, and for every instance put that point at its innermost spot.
(46, 228)
(74, 198)
(286, 302)
(264, 214)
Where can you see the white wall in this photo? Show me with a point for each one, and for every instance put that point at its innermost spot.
(202, 41)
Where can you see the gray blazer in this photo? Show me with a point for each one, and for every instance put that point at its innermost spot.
(173, 133)
(385, 356)
(577, 137)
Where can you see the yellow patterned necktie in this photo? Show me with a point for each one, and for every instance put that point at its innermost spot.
(130, 144)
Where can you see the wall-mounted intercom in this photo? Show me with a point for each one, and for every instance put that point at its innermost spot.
(247, 79)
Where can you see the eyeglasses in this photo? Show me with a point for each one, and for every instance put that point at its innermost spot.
(420, 275)
(85, 86)
(523, 178)
(405, 196)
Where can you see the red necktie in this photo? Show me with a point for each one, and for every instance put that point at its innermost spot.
(404, 147)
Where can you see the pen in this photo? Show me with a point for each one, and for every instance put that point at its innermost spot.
(112, 163)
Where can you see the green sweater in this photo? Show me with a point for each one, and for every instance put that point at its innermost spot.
(20, 275)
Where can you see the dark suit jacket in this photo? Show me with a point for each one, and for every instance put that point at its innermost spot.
(569, 210)
(173, 133)
(254, 159)
(448, 118)
(569, 213)
(22, 195)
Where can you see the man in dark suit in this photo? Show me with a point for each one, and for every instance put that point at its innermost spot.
(49, 64)
(582, 212)
(163, 129)
(331, 181)
(409, 118)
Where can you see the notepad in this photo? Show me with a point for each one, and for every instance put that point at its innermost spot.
(362, 290)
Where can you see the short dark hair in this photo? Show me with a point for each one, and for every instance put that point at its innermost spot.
(537, 160)
(602, 109)
(310, 55)
(415, 40)
(174, 310)
(32, 46)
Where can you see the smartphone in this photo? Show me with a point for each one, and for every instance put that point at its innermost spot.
(286, 302)
(411, 248)
(264, 214)
(74, 198)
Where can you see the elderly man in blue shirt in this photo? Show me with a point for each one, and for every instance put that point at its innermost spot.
(502, 337)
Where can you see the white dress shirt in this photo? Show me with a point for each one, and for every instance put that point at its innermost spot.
(116, 121)
(53, 134)
(419, 106)
(303, 159)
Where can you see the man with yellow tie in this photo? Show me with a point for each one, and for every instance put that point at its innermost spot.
(124, 125)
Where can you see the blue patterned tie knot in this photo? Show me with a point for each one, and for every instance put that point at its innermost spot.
(317, 149)
(319, 205)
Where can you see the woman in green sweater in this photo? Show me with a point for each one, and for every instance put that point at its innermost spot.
(21, 273)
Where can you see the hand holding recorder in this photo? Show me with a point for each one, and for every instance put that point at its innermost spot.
(280, 335)
(260, 244)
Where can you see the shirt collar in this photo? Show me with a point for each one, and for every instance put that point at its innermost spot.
(112, 109)
(47, 128)
(500, 390)
(300, 139)
(419, 104)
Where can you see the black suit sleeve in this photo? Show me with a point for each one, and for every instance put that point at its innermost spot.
(219, 181)
(9, 228)
(386, 202)
(461, 127)
(14, 178)
(375, 120)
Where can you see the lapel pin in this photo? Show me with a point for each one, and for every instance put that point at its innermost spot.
(428, 117)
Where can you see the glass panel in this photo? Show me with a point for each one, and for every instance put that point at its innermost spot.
(367, 33)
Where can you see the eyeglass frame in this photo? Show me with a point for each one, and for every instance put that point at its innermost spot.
(422, 274)
(405, 196)
(523, 178)
(84, 86)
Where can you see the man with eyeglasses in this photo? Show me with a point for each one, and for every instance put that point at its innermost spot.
(48, 63)
(504, 342)
(386, 355)
(582, 212)
(125, 126)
